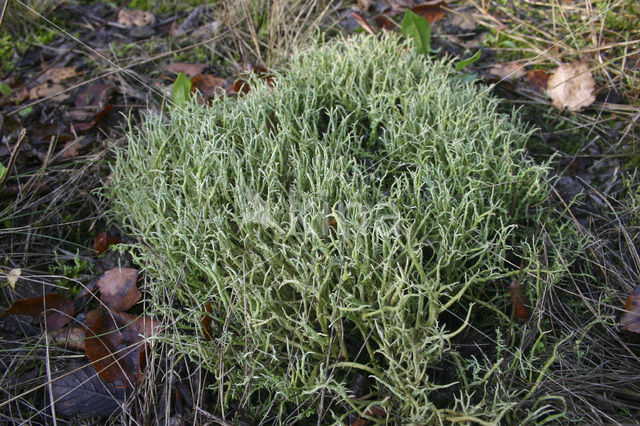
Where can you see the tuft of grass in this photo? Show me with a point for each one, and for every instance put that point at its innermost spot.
(21, 15)
(359, 222)
(267, 32)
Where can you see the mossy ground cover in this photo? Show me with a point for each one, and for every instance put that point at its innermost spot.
(357, 220)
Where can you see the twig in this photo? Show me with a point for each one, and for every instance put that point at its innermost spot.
(213, 417)
(49, 379)
(14, 155)
(4, 9)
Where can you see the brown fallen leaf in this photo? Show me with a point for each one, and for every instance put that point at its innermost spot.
(58, 74)
(508, 71)
(208, 86)
(206, 321)
(118, 288)
(241, 85)
(190, 70)
(79, 392)
(463, 21)
(517, 301)
(134, 17)
(571, 86)
(103, 241)
(374, 411)
(59, 310)
(401, 5)
(383, 21)
(84, 126)
(44, 90)
(44, 132)
(538, 79)
(91, 101)
(363, 22)
(432, 10)
(630, 320)
(70, 337)
(116, 344)
(37, 188)
(72, 148)
(332, 222)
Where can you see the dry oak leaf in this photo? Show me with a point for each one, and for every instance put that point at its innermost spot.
(571, 86)
(118, 288)
(630, 320)
(59, 310)
(116, 344)
(134, 17)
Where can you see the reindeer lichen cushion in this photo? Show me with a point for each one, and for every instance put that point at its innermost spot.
(350, 232)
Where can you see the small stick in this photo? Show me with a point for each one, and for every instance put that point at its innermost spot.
(14, 154)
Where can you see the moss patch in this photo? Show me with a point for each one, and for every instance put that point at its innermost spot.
(346, 227)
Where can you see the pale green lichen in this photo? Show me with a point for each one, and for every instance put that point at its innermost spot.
(330, 222)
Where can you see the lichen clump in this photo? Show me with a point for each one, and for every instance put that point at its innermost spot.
(346, 227)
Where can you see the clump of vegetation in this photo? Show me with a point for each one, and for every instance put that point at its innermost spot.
(349, 233)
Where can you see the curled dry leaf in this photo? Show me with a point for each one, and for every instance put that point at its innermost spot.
(116, 344)
(571, 86)
(508, 71)
(70, 337)
(134, 18)
(103, 241)
(118, 288)
(517, 300)
(53, 310)
(630, 320)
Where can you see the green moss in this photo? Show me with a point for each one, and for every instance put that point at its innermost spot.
(352, 220)
(6, 51)
(620, 16)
